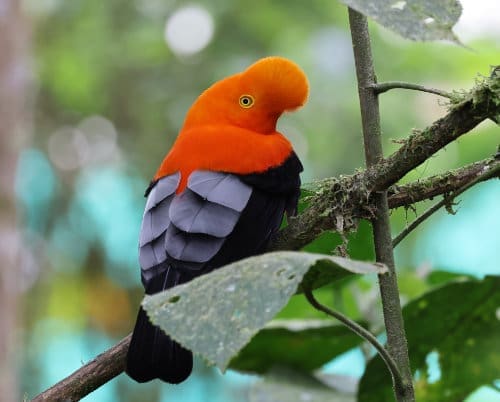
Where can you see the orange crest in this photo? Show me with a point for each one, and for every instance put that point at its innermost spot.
(231, 127)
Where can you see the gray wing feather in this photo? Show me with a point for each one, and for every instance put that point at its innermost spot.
(191, 226)
(166, 186)
(192, 247)
(220, 188)
(192, 214)
(156, 221)
(160, 217)
(153, 253)
(146, 233)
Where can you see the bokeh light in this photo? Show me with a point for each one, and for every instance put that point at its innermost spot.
(91, 142)
(68, 148)
(189, 30)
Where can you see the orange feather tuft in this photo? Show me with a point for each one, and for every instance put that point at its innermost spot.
(231, 127)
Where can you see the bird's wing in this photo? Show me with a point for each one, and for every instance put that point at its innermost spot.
(187, 230)
(217, 211)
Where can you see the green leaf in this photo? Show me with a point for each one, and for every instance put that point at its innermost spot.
(323, 271)
(361, 245)
(289, 386)
(325, 243)
(421, 20)
(313, 342)
(457, 323)
(305, 197)
(215, 315)
(440, 277)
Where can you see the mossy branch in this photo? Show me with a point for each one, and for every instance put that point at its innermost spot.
(452, 180)
(349, 196)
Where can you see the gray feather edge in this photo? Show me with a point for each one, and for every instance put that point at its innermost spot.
(193, 225)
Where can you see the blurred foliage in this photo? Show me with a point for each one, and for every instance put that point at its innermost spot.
(453, 335)
(109, 97)
(286, 386)
(313, 342)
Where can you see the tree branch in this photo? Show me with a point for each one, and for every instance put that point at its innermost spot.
(403, 196)
(447, 200)
(370, 116)
(480, 104)
(380, 88)
(348, 195)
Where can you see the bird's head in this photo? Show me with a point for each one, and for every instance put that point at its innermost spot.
(253, 99)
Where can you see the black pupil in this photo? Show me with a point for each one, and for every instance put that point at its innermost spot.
(246, 101)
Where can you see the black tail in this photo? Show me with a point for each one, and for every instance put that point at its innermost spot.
(152, 354)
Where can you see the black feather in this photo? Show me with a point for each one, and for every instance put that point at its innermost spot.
(152, 354)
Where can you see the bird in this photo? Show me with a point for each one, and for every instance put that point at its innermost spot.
(219, 196)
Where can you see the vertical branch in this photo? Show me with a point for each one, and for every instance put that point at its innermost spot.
(393, 318)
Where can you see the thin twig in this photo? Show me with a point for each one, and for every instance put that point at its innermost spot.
(386, 86)
(447, 199)
(363, 333)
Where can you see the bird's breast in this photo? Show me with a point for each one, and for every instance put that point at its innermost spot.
(224, 149)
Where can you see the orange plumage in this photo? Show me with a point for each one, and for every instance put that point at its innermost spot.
(231, 127)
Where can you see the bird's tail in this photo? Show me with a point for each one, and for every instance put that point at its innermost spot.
(152, 354)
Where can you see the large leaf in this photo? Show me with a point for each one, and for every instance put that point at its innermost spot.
(313, 343)
(459, 326)
(215, 315)
(421, 20)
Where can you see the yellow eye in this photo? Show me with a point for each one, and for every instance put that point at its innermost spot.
(246, 101)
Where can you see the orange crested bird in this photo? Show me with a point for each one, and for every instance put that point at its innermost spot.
(218, 196)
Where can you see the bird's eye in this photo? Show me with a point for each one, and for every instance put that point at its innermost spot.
(246, 101)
